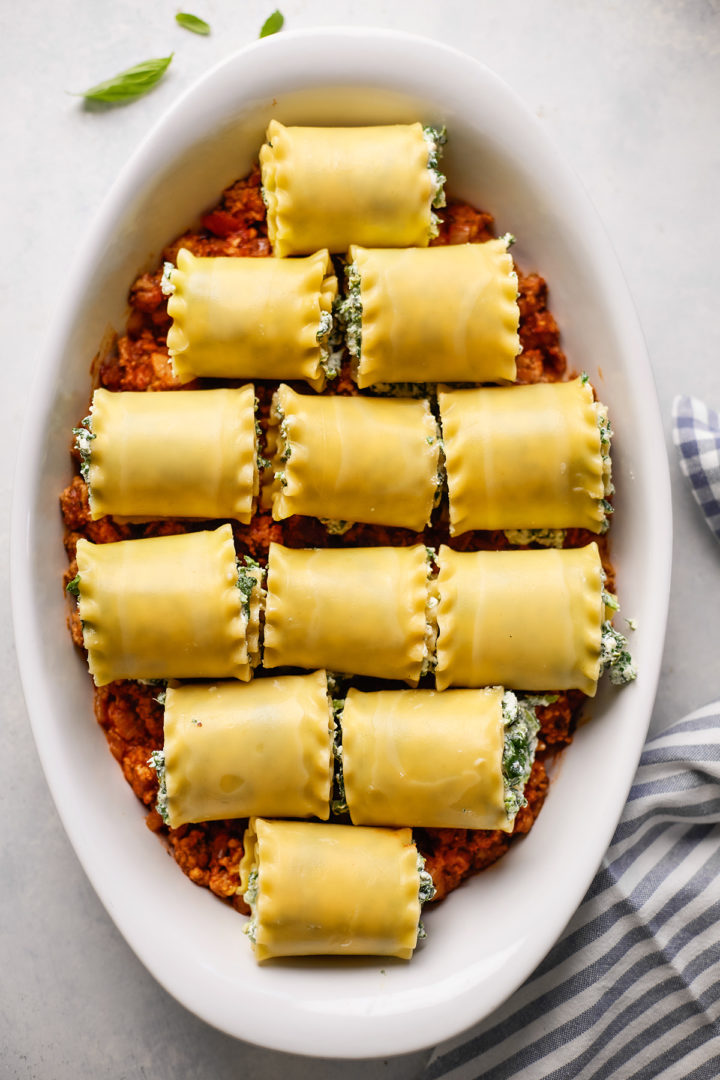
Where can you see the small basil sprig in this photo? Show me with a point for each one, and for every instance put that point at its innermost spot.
(272, 24)
(130, 84)
(192, 23)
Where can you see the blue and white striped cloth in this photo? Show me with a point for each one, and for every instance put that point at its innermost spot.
(632, 989)
(696, 433)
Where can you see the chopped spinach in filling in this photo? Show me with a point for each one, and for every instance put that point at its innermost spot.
(245, 581)
(330, 344)
(83, 444)
(426, 891)
(250, 897)
(338, 802)
(426, 887)
(545, 537)
(336, 526)
(429, 663)
(615, 658)
(262, 462)
(283, 450)
(348, 310)
(401, 389)
(156, 761)
(435, 139)
(520, 743)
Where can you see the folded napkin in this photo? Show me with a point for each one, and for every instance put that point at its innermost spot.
(632, 989)
(696, 433)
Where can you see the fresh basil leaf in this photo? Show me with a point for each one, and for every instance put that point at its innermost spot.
(272, 24)
(192, 23)
(130, 84)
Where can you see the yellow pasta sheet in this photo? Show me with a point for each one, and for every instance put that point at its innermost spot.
(440, 314)
(237, 749)
(530, 620)
(246, 318)
(354, 459)
(357, 610)
(332, 187)
(163, 607)
(523, 457)
(417, 757)
(191, 455)
(331, 889)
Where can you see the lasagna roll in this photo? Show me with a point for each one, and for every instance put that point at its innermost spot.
(527, 619)
(166, 607)
(525, 457)
(454, 760)
(356, 610)
(247, 318)
(317, 889)
(189, 455)
(347, 459)
(332, 187)
(233, 750)
(443, 313)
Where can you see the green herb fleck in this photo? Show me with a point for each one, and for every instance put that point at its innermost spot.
(272, 24)
(192, 23)
(130, 84)
(73, 586)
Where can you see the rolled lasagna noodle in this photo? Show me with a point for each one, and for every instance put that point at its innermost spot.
(442, 314)
(330, 889)
(332, 187)
(526, 619)
(187, 455)
(523, 457)
(358, 610)
(233, 750)
(417, 757)
(164, 607)
(354, 459)
(247, 318)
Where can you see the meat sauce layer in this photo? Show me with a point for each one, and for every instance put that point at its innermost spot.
(128, 712)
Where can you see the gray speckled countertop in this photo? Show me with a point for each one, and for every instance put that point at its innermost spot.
(629, 93)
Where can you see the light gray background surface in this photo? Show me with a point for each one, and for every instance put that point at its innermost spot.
(630, 93)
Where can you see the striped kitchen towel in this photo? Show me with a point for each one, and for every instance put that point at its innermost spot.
(696, 433)
(632, 988)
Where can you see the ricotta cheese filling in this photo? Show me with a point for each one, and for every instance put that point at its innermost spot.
(348, 311)
(615, 656)
(519, 745)
(426, 891)
(156, 761)
(432, 601)
(435, 139)
(545, 537)
(83, 444)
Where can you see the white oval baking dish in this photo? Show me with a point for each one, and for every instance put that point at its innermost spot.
(491, 933)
